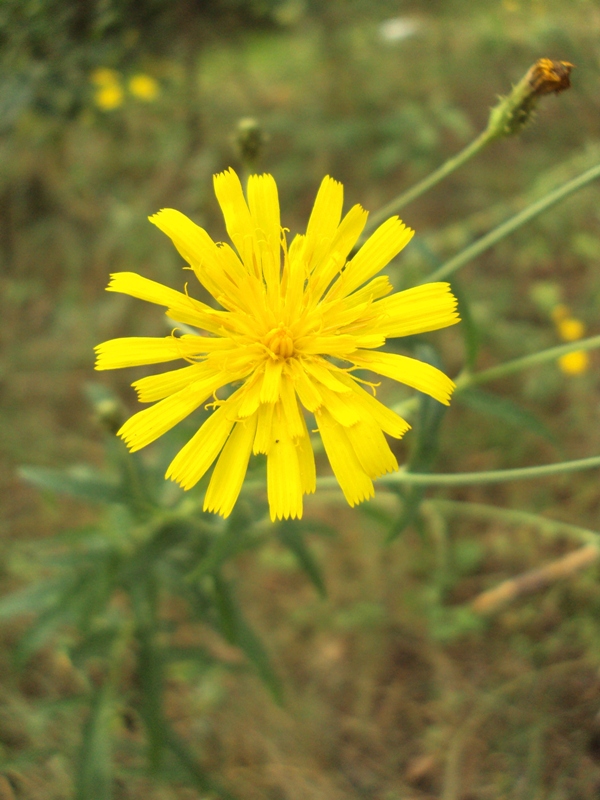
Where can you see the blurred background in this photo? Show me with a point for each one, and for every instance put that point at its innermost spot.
(113, 109)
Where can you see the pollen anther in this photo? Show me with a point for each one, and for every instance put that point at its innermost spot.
(280, 341)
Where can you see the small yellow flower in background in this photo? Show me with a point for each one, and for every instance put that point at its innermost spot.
(103, 76)
(144, 87)
(570, 329)
(574, 363)
(109, 97)
(294, 324)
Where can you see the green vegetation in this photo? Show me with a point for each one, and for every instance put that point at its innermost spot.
(152, 651)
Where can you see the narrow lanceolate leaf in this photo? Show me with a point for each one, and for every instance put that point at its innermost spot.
(79, 481)
(506, 410)
(93, 780)
(425, 450)
(223, 547)
(238, 632)
(198, 775)
(35, 598)
(63, 611)
(469, 330)
(150, 672)
(294, 540)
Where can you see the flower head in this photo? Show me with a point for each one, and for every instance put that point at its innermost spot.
(294, 325)
(144, 87)
(575, 363)
(109, 97)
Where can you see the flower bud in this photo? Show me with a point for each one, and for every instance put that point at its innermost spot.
(515, 110)
(249, 140)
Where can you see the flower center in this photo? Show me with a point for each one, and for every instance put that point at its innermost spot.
(280, 341)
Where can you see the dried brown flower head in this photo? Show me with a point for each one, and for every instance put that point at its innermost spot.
(547, 76)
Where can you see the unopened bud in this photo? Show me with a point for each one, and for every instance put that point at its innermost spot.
(514, 111)
(110, 414)
(249, 141)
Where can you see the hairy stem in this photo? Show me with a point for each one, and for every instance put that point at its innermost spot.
(513, 224)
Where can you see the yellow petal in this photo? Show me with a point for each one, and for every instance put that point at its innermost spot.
(323, 222)
(291, 411)
(326, 373)
(195, 246)
(332, 345)
(284, 482)
(379, 249)
(344, 412)
(238, 221)
(155, 387)
(264, 428)
(134, 351)
(354, 481)
(264, 208)
(193, 460)
(423, 308)
(304, 385)
(251, 395)
(306, 461)
(229, 473)
(384, 417)
(271, 380)
(147, 425)
(371, 448)
(417, 374)
(178, 303)
(345, 238)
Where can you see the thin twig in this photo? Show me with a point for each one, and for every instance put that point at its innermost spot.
(534, 580)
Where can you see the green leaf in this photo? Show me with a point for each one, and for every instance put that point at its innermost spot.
(425, 449)
(79, 481)
(93, 779)
(225, 545)
(238, 632)
(507, 410)
(96, 644)
(201, 779)
(291, 535)
(63, 611)
(150, 671)
(168, 535)
(31, 599)
(467, 326)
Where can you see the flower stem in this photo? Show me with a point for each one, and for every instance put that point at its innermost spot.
(482, 511)
(502, 370)
(513, 224)
(427, 183)
(473, 478)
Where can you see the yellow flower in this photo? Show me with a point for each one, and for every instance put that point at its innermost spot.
(144, 87)
(109, 97)
(289, 319)
(103, 76)
(570, 329)
(574, 363)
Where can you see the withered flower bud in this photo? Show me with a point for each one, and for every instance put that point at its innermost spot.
(547, 76)
(514, 111)
(249, 140)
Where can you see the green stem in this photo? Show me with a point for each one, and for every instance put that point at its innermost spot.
(517, 364)
(512, 224)
(427, 183)
(483, 511)
(467, 379)
(473, 478)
